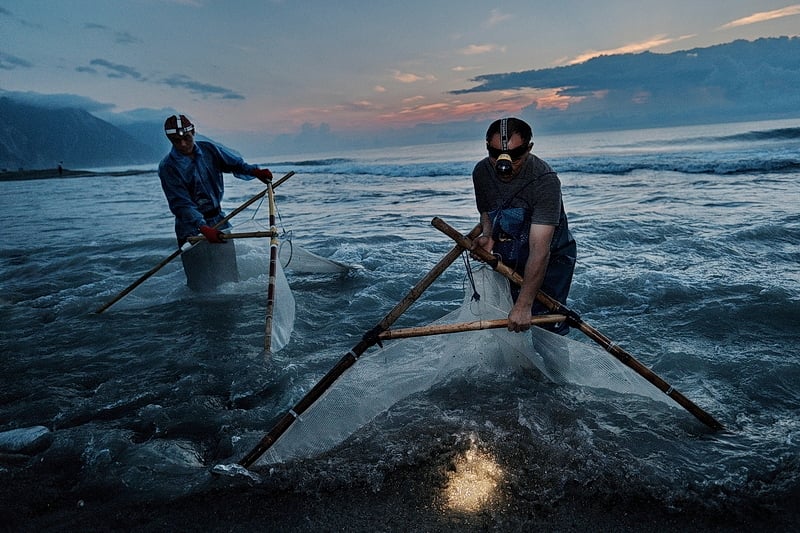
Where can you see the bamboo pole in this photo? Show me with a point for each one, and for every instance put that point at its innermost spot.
(350, 358)
(273, 270)
(241, 235)
(180, 250)
(439, 329)
(573, 319)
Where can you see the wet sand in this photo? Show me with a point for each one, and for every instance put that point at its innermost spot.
(407, 499)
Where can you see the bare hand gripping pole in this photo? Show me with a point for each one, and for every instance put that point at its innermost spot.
(574, 320)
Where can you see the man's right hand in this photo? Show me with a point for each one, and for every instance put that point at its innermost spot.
(483, 241)
(212, 235)
(519, 318)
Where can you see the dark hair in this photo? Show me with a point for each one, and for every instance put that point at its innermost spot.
(514, 125)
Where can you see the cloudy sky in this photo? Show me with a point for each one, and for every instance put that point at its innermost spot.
(273, 65)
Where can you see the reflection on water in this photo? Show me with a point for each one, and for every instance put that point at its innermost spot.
(474, 482)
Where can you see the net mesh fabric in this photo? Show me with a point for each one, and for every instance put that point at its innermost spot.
(381, 378)
(284, 312)
(294, 257)
(298, 259)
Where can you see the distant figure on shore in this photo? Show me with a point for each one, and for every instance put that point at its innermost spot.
(60, 169)
(191, 177)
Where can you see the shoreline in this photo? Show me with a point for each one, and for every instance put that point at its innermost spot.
(53, 173)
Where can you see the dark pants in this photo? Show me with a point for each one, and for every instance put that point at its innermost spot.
(208, 265)
(556, 284)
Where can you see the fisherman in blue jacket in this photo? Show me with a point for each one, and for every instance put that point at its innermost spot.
(518, 196)
(191, 177)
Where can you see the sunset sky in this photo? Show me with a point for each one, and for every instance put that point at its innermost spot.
(272, 65)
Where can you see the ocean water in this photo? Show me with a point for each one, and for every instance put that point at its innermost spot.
(689, 246)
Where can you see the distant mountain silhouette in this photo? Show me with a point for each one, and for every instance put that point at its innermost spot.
(34, 137)
(731, 82)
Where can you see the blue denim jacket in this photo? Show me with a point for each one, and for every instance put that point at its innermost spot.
(194, 185)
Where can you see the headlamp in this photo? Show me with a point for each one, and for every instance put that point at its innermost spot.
(178, 125)
(503, 165)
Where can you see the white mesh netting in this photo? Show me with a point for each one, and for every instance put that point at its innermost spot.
(381, 378)
(298, 259)
(292, 256)
(283, 313)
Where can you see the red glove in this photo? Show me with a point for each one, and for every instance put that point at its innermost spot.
(263, 174)
(212, 235)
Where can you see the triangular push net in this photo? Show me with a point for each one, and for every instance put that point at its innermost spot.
(381, 378)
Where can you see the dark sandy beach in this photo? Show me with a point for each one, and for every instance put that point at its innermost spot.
(408, 499)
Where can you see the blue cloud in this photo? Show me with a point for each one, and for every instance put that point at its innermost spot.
(55, 101)
(114, 70)
(204, 89)
(740, 80)
(9, 62)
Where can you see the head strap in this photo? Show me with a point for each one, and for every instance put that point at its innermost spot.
(182, 125)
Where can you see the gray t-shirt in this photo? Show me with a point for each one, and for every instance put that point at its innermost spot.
(536, 189)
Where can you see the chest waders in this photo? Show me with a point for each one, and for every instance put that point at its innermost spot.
(511, 233)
